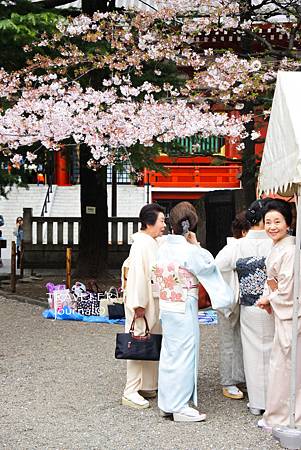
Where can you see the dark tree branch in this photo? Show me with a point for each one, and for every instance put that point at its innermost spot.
(261, 39)
(248, 9)
(261, 5)
(290, 8)
(261, 11)
(91, 6)
(150, 6)
(52, 3)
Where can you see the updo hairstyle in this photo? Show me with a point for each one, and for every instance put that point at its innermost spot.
(183, 218)
(256, 210)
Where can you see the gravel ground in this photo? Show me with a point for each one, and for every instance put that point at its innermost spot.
(61, 389)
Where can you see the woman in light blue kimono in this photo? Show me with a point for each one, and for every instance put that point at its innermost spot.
(181, 265)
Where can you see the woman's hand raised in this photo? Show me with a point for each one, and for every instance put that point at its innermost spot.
(191, 238)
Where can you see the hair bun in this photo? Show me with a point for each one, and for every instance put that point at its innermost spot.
(254, 213)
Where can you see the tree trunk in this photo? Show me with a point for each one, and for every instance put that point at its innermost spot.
(249, 156)
(93, 238)
(248, 177)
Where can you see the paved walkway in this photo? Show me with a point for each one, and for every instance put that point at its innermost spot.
(61, 389)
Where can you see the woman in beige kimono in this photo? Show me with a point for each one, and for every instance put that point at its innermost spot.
(230, 348)
(278, 297)
(247, 258)
(142, 376)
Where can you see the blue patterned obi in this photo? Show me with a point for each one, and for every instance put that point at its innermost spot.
(252, 276)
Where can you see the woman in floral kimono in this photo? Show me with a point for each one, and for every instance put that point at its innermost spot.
(181, 264)
(278, 297)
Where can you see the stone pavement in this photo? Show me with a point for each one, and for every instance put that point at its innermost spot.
(61, 389)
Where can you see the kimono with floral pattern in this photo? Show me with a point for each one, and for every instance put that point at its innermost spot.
(179, 267)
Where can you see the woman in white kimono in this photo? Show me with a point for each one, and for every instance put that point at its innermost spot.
(257, 328)
(230, 348)
(278, 297)
(142, 376)
(180, 266)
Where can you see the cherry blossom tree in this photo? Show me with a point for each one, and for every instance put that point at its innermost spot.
(123, 84)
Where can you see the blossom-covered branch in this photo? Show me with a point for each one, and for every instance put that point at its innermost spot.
(114, 80)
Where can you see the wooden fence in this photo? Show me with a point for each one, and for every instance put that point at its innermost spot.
(46, 239)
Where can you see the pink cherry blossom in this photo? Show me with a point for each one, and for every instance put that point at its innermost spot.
(16, 160)
(122, 112)
(31, 156)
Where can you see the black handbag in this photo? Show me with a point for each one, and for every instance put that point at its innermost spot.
(116, 311)
(144, 348)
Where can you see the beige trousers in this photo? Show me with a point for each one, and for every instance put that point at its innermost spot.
(141, 376)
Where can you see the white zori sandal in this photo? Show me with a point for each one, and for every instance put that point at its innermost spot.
(188, 414)
(135, 401)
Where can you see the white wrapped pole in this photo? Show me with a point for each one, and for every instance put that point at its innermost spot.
(296, 306)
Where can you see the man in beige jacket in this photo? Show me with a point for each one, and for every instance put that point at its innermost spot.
(142, 376)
